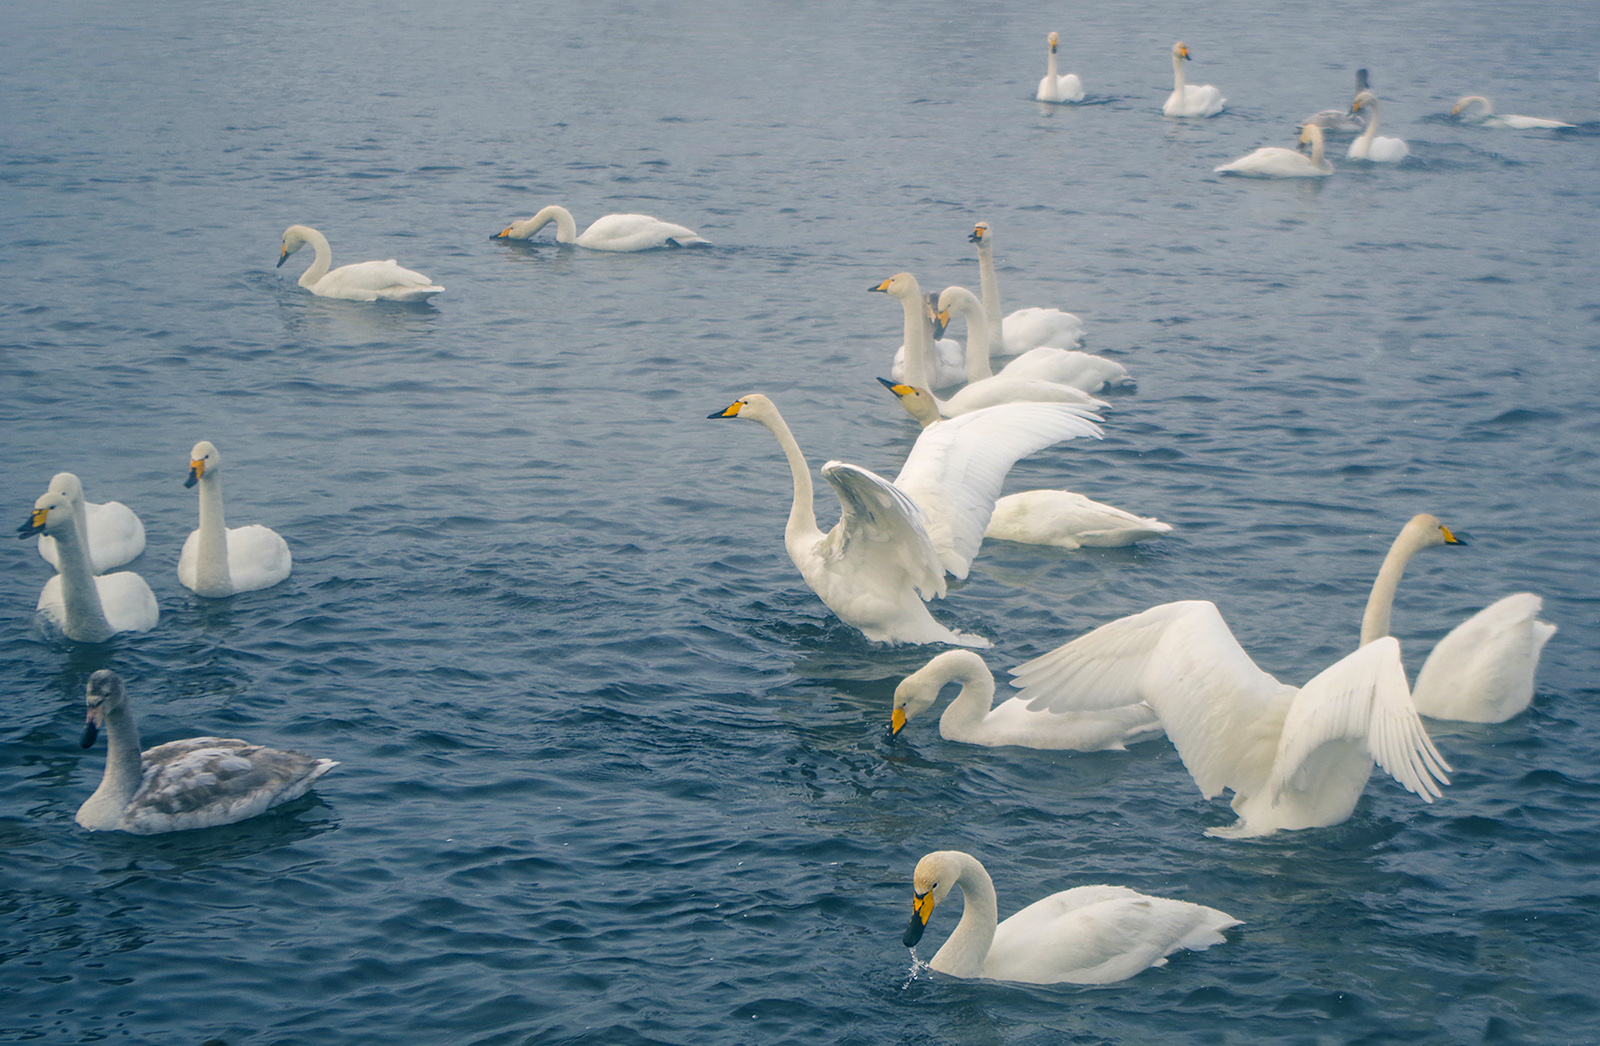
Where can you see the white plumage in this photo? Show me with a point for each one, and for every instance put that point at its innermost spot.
(1368, 146)
(614, 232)
(86, 607)
(1476, 109)
(361, 281)
(1055, 87)
(218, 560)
(1274, 161)
(110, 531)
(1189, 99)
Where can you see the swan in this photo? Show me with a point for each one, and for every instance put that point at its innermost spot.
(1068, 520)
(109, 530)
(196, 783)
(894, 542)
(1044, 363)
(1273, 161)
(1487, 118)
(1054, 88)
(218, 560)
(614, 232)
(362, 281)
(1483, 670)
(1369, 146)
(87, 607)
(1190, 99)
(949, 359)
(1023, 329)
(1086, 935)
(1343, 121)
(1294, 757)
(970, 718)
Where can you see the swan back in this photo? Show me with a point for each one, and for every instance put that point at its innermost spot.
(1483, 670)
(110, 531)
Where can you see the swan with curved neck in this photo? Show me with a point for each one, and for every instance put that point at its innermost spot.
(1368, 146)
(88, 608)
(613, 232)
(1273, 161)
(361, 281)
(1015, 333)
(218, 561)
(1057, 88)
(1467, 109)
(110, 531)
(1044, 363)
(1086, 935)
(1190, 99)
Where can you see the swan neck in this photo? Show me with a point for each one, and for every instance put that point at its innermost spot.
(918, 342)
(323, 260)
(211, 553)
(1372, 125)
(980, 339)
(989, 285)
(1375, 622)
(1050, 67)
(1177, 72)
(1316, 149)
(969, 707)
(566, 227)
(963, 954)
(802, 523)
(124, 769)
(85, 618)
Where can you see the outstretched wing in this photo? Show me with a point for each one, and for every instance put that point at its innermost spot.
(882, 528)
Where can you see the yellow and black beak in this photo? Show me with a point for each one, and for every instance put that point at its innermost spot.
(731, 411)
(502, 234)
(1449, 538)
(1184, 51)
(196, 470)
(976, 235)
(884, 287)
(897, 721)
(283, 256)
(921, 908)
(91, 728)
(35, 523)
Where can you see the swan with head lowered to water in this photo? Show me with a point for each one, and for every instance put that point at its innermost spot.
(86, 607)
(361, 281)
(220, 561)
(1476, 109)
(614, 232)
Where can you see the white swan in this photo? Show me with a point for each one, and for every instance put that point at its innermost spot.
(614, 232)
(218, 560)
(1044, 363)
(1467, 106)
(970, 718)
(1068, 520)
(88, 608)
(1055, 88)
(109, 530)
(361, 281)
(1016, 332)
(948, 358)
(894, 542)
(197, 783)
(1086, 935)
(1273, 161)
(1294, 758)
(1342, 121)
(1369, 146)
(1189, 99)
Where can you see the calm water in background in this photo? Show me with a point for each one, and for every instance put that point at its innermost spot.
(610, 773)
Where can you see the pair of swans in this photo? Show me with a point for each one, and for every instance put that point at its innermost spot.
(180, 785)
(1274, 161)
(1189, 99)
(1342, 121)
(218, 560)
(1055, 87)
(1368, 146)
(86, 607)
(361, 281)
(1086, 935)
(1476, 109)
(614, 232)
(110, 531)
(894, 542)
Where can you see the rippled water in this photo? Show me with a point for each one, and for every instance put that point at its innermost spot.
(610, 773)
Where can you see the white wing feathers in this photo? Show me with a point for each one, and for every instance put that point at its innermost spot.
(879, 523)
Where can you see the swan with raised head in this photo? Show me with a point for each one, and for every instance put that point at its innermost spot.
(1368, 146)
(1044, 363)
(360, 281)
(614, 232)
(86, 607)
(1068, 520)
(973, 718)
(1274, 161)
(1057, 88)
(218, 560)
(1016, 332)
(948, 359)
(1476, 109)
(110, 530)
(197, 783)
(1086, 935)
(1342, 121)
(1293, 757)
(1189, 99)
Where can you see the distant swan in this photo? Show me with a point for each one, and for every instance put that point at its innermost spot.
(197, 783)
(1045, 363)
(88, 608)
(1068, 520)
(218, 560)
(1342, 121)
(362, 281)
(1016, 332)
(1190, 99)
(1054, 88)
(1465, 108)
(614, 232)
(110, 530)
(1370, 147)
(1273, 161)
(1086, 935)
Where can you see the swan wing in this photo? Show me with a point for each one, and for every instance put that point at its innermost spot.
(116, 536)
(635, 232)
(374, 280)
(1066, 367)
(881, 528)
(127, 601)
(1032, 328)
(257, 557)
(1483, 670)
(205, 781)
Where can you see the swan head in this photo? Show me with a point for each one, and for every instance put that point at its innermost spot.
(919, 403)
(104, 696)
(1366, 98)
(931, 883)
(1426, 531)
(521, 230)
(1468, 101)
(1053, 39)
(1311, 134)
(901, 285)
(1181, 50)
(753, 406)
(52, 514)
(918, 691)
(294, 238)
(68, 485)
(202, 459)
(980, 234)
(959, 299)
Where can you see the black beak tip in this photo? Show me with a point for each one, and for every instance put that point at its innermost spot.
(89, 734)
(281, 259)
(877, 287)
(913, 932)
(886, 383)
(192, 480)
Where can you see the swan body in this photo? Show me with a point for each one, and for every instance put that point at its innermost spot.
(220, 561)
(1086, 935)
(1369, 146)
(1189, 99)
(1294, 757)
(1274, 161)
(1024, 329)
(1342, 121)
(1466, 108)
(948, 358)
(197, 783)
(86, 607)
(361, 281)
(1044, 363)
(970, 718)
(1068, 520)
(110, 531)
(1057, 88)
(614, 232)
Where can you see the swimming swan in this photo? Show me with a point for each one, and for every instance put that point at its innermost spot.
(1342, 121)
(948, 358)
(1054, 88)
(87, 607)
(1464, 109)
(970, 718)
(1024, 329)
(218, 560)
(1086, 935)
(1370, 147)
(1273, 161)
(1190, 99)
(614, 232)
(1068, 520)
(197, 783)
(362, 281)
(1293, 757)
(110, 530)
(1044, 363)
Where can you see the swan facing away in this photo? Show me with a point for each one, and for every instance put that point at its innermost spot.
(110, 531)
(1086, 935)
(1368, 146)
(614, 232)
(218, 560)
(1342, 121)
(1056, 88)
(86, 607)
(361, 281)
(1293, 757)
(197, 783)
(1476, 109)
(1274, 161)
(970, 718)
(1068, 520)
(1016, 332)
(1189, 99)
